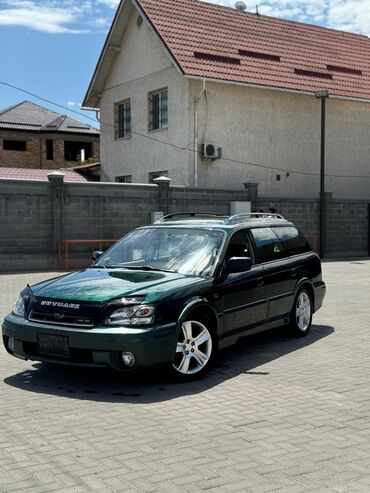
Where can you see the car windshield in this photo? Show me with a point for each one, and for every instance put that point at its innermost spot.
(183, 250)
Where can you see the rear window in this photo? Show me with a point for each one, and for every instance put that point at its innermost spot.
(293, 242)
(268, 245)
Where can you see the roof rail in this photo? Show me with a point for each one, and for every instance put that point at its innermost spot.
(252, 215)
(175, 215)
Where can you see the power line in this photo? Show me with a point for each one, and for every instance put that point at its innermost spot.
(175, 146)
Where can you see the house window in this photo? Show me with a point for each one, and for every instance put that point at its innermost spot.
(50, 150)
(124, 179)
(156, 174)
(158, 109)
(72, 150)
(15, 145)
(122, 127)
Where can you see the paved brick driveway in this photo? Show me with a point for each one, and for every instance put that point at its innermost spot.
(276, 414)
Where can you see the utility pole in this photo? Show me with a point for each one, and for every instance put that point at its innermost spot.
(323, 96)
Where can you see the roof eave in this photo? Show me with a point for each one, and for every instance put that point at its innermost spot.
(90, 100)
(273, 88)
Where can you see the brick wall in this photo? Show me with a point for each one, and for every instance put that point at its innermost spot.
(35, 155)
(34, 215)
(31, 158)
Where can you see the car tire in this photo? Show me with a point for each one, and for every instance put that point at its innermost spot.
(195, 350)
(301, 314)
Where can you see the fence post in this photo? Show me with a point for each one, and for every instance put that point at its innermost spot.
(56, 180)
(163, 183)
(253, 193)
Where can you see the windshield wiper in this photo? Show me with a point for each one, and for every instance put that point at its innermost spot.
(146, 267)
(138, 267)
(102, 266)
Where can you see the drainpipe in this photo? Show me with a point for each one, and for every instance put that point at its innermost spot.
(196, 137)
(196, 142)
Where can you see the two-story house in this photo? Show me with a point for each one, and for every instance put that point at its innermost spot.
(215, 97)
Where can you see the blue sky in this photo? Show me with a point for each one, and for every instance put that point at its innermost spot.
(50, 47)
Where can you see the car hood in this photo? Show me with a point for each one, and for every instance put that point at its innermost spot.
(99, 285)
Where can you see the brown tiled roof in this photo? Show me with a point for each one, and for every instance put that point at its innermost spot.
(86, 166)
(211, 41)
(38, 174)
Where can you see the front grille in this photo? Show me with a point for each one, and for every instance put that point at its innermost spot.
(61, 319)
(75, 355)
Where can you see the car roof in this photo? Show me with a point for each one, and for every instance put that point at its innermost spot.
(219, 221)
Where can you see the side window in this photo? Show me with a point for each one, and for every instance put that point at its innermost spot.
(292, 240)
(239, 246)
(123, 179)
(267, 244)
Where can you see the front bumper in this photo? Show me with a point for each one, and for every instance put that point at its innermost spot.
(100, 346)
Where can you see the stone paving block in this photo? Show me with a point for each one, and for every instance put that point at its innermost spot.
(275, 414)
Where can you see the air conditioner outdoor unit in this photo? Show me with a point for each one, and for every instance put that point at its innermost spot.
(210, 151)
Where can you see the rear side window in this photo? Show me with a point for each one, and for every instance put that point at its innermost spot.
(267, 244)
(292, 240)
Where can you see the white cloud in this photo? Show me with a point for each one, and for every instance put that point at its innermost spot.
(352, 15)
(42, 19)
(347, 15)
(82, 16)
(56, 16)
(113, 4)
(71, 104)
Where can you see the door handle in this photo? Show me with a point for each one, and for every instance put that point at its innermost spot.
(259, 281)
(293, 272)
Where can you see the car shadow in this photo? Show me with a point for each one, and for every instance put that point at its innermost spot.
(104, 385)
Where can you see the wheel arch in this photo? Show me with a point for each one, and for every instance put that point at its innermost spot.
(202, 307)
(306, 284)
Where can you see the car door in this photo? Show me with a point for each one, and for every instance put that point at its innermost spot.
(243, 294)
(299, 252)
(280, 276)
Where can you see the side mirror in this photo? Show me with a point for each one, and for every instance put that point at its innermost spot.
(237, 265)
(96, 255)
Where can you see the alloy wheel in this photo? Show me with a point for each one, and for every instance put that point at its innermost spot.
(303, 311)
(194, 348)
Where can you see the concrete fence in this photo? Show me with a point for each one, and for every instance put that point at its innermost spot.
(35, 215)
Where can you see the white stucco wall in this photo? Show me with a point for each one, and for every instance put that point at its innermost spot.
(140, 67)
(282, 130)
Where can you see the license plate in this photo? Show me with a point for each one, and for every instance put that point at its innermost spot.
(53, 345)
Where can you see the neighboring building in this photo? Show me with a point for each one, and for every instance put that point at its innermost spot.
(175, 75)
(35, 137)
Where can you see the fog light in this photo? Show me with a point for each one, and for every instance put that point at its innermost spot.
(11, 344)
(128, 358)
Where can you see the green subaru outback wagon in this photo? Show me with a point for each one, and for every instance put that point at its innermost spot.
(173, 294)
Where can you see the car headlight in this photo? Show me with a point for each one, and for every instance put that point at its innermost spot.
(19, 307)
(131, 315)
